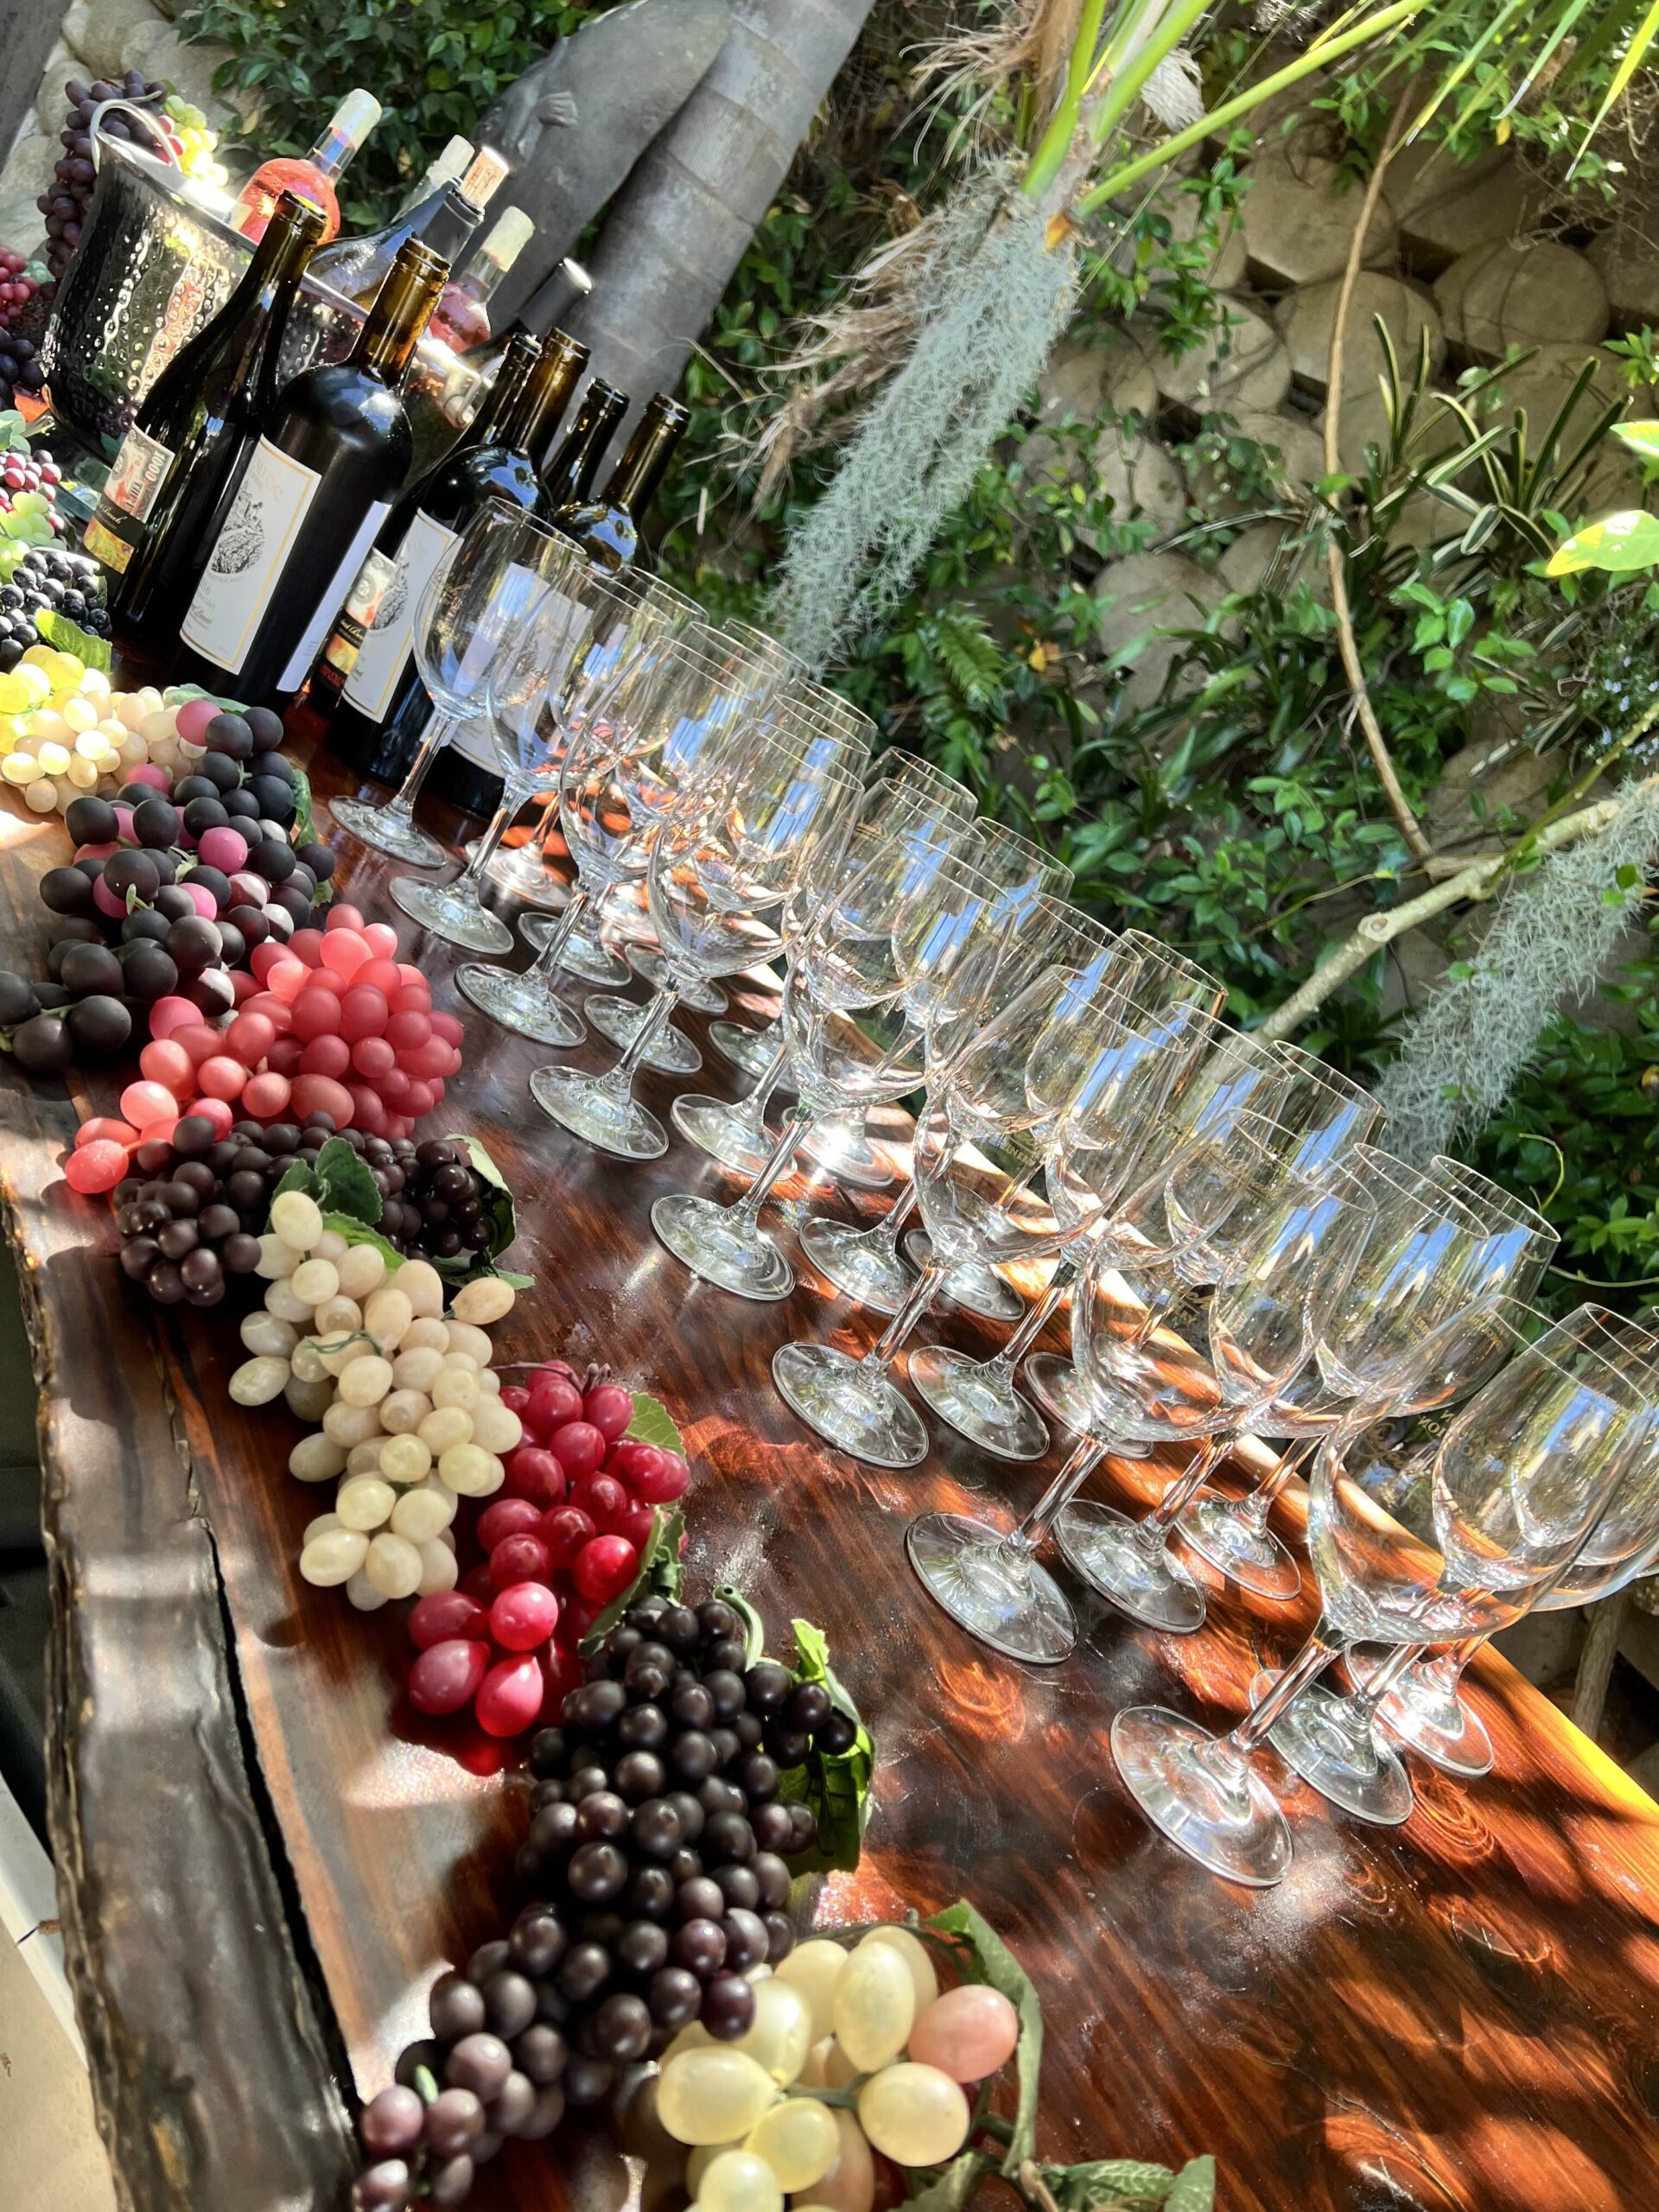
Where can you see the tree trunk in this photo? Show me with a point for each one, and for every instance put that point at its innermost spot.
(679, 229)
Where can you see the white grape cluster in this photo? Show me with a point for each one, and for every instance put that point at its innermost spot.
(409, 1410)
(826, 2018)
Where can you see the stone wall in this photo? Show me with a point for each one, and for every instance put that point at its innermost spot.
(98, 38)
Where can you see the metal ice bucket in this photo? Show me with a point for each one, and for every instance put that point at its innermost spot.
(154, 264)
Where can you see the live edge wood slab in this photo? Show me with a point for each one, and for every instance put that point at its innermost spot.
(265, 1859)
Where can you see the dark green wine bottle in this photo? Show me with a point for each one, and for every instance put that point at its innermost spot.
(608, 528)
(315, 491)
(567, 474)
(165, 496)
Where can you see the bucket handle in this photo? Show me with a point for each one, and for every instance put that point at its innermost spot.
(155, 142)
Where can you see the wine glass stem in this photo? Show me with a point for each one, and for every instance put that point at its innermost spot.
(887, 1237)
(1384, 1677)
(888, 1347)
(760, 1096)
(550, 954)
(1234, 1750)
(439, 729)
(1029, 1537)
(620, 1078)
(1256, 1507)
(1033, 1325)
(515, 790)
(1154, 1529)
(747, 1211)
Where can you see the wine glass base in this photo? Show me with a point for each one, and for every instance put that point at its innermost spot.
(849, 1159)
(1103, 1546)
(859, 1413)
(974, 1287)
(670, 1052)
(725, 1132)
(528, 1009)
(1217, 1531)
(1330, 1743)
(1439, 1729)
(749, 1051)
(578, 1103)
(723, 1249)
(858, 1264)
(996, 1418)
(388, 832)
(1007, 1601)
(453, 914)
(1055, 1384)
(1230, 1823)
(525, 876)
(582, 955)
(703, 996)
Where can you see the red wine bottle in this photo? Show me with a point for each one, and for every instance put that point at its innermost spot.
(159, 514)
(608, 528)
(568, 473)
(315, 489)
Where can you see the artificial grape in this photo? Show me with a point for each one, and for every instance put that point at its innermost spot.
(915, 2115)
(391, 2123)
(738, 1886)
(713, 2095)
(699, 1946)
(487, 1959)
(728, 2007)
(455, 2120)
(967, 2033)
(585, 1970)
(541, 2053)
(601, 1817)
(455, 2008)
(675, 1997)
(621, 2029)
(917, 1957)
(772, 1878)
(386, 2186)
(874, 2006)
(587, 2081)
(480, 2062)
(798, 2140)
(509, 2002)
(739, 2181)
(452, 2182)
(699, 1899)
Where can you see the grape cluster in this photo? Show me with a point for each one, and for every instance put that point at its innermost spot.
(656, 1860)
(432, 1198)
(48, 579)
(20, 313)
(66, 200)
(190, 1207)
(17, 288)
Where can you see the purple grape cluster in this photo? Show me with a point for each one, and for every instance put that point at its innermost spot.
(67, 198)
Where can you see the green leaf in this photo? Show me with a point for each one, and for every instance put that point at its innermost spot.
(504, 1223)
(980, 1954)
(651, 1425)
(305, 823)
(1640, 437)
(67, 637)
(755, 1629)
(836, 1785)
(952, 2186)
(1616, 545)
(360, 1232)
(1103, 2184)
(660, 1576)
(339, 1181)
(1195, 2188)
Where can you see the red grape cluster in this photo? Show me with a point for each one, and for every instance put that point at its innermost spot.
(67, 199)
(20, 368)
(17, 287)
(657, 1858)
(561, 1542)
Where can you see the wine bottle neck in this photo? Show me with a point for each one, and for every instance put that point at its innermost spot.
(504, 399)
(350, 124)
(402, 306)
(290, 239)
(570, 475)
(547, 395)
(633, 482)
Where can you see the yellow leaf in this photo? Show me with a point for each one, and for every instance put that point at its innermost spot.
(1038, 657)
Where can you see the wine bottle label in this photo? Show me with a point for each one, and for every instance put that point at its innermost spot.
(247, 562)
(102, 540)
(383, 654)
(356, 618)
(329, 605)
(137, 474)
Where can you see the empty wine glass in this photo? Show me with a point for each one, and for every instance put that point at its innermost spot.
(855, 1030)
(1145, 1064)
(543, 617)
(718, 867)
(615, 666)
(1520, 1478)
(470, 601)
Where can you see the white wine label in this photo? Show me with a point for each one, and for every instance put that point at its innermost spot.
(270, 504)
(135, 474)
(383, 654)
(330, 605)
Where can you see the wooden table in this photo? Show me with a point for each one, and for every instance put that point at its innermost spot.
(263, 1863)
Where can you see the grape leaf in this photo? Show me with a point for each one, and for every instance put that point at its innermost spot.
(361, 1232)
(1195, 2188)
(755, 1629)
(1106, 2184)
(651, 1425)
(14, 431)
(949, 2188)
(339, 1179)
(660, 1576)
(835, 1784)
(497, 1198)
(305, 824)
(980, 1954)
(67, 637)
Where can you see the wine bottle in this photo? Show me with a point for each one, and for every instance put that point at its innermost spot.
(313, 178)
(608, 528)
(568, 475)
(462, 320)
(448, 168)
(381, 571)
(315, 489)
(443, 222)
(161, 508)
(547, 309)
(384, 708)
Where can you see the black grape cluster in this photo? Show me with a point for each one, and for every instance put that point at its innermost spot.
(191, 1212)
(657, 1864)
(76, 1012)
(67, 199)
(48, 579)
(433, 1200)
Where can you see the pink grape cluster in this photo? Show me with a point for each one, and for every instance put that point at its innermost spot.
(561, 1542)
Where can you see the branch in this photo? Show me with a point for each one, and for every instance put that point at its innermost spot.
(1347, 644)
(1478, 881)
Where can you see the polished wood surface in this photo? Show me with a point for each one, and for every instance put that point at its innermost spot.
(1464, 2012)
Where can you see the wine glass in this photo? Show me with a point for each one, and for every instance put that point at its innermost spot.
(542, 618)
(718, 866)
(1519, 1480)
(1145, 1066)
(469, 600)
(977, 1158)
(617, 665)
(1421, 1705)
(854, 1029)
